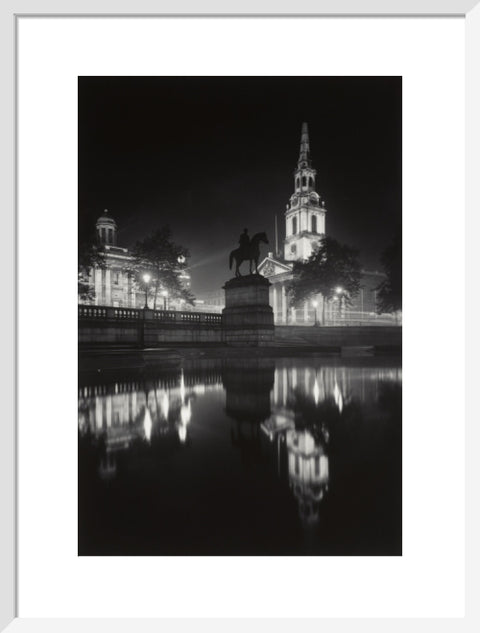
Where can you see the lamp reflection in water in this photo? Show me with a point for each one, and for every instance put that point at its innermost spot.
(147, 423)
(113, 416)
(185, 412)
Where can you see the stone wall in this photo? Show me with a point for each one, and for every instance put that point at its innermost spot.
(361, 336)
(103, 327)
(247, 318)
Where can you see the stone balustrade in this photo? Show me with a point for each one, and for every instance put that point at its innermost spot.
(106, 326)
(89, 312)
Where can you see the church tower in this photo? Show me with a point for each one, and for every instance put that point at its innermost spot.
(305, 214)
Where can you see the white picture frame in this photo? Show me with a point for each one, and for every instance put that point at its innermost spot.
(13, 11)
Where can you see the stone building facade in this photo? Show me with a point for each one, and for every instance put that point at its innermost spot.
(305, 225)
(115, 284)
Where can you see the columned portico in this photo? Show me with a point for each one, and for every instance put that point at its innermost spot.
(284, 304)
(98, 285)
(108, 287)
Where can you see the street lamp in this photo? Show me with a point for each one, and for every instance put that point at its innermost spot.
(315, 305)
(146, 280)
(339, 291)
(165, 295)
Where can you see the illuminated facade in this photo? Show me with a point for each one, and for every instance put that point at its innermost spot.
(115, 284)
(305, 225)
(305, 214)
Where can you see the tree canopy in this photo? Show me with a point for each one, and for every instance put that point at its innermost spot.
(330, 266)
(162, 258)
(90, 255)
(389, 291)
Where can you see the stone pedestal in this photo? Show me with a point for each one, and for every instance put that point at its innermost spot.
(248, 316)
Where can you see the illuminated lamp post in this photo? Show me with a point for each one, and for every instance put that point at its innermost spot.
(146, 280)
(315, 305)
(339, 293)
(165, 297)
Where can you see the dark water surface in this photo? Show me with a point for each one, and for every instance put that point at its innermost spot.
(242, 456)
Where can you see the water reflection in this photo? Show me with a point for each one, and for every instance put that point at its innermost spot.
(293, 424)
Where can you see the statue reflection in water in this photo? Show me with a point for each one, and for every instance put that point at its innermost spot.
(248, 383)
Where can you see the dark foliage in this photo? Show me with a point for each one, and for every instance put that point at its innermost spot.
(90, 255)
(389, 291)
(164, 260)
(331, 266)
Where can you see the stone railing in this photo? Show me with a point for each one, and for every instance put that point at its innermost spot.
(104, 313)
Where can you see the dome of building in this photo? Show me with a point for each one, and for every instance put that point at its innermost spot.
(105, 218)
(106, 229)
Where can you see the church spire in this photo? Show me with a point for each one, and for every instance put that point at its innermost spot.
(305, 215)
(304, 157)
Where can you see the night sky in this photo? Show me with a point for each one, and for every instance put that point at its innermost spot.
(212, 155)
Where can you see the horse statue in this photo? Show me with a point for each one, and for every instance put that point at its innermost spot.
(251, 254)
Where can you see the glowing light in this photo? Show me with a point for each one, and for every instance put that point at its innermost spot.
(314, 304)
(185, 417)
(338, 290)
(337, 394)
(147, 425)
(186, 413)
(146, 277)
(164, 405)
(182, 434)
(182, 387)
(165, 293)
(316, 391)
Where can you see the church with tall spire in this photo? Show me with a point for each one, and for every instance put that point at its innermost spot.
(305, 214)
(305, 217)
(304, 227)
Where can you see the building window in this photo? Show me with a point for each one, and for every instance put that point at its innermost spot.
(110, 236)
(116, 278)
(304, 181)
(297, 183)
(314, 223)
(104, 234)
(317, 465)
(294, 225)
(310, 182)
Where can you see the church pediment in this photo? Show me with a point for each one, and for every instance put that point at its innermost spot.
(271, 267)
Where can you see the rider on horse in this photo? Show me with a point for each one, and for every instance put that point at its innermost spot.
(244, 242)
(249, 251)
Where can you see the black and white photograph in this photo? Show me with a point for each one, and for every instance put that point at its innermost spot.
(239, 316)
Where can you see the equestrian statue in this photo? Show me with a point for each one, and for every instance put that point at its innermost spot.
(249, 250)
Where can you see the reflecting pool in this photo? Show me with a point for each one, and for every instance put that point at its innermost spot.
(242, 456)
